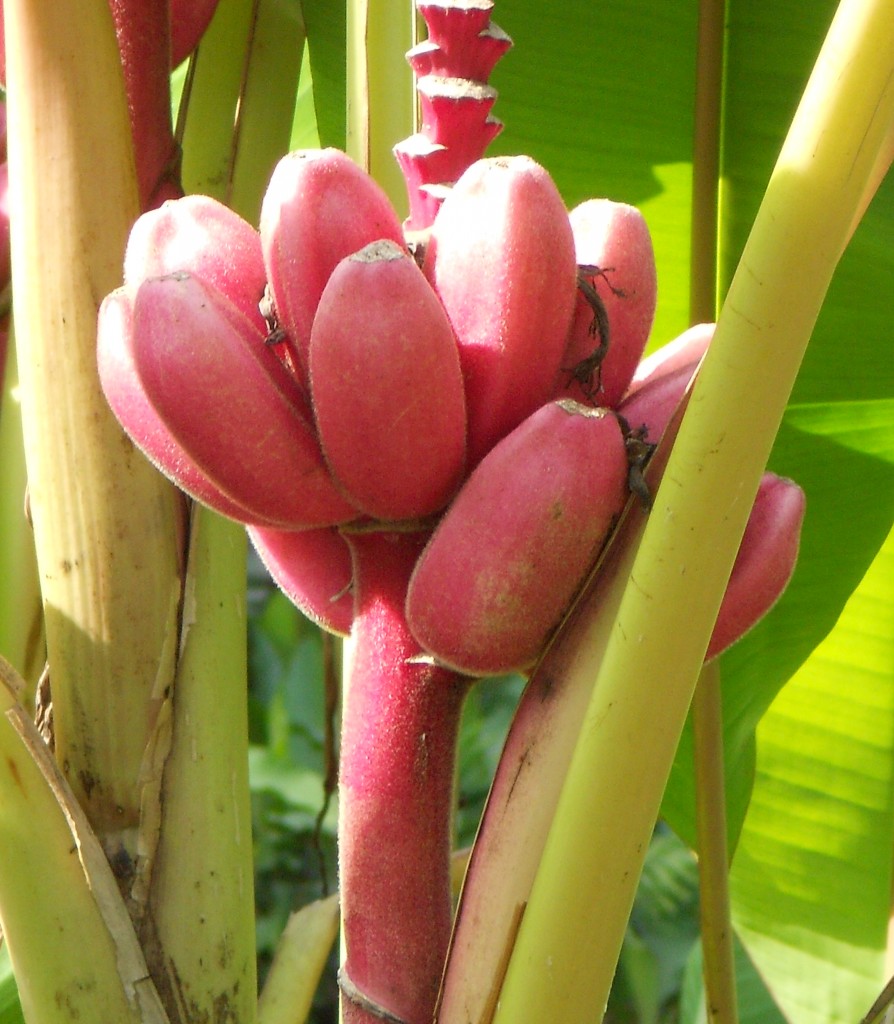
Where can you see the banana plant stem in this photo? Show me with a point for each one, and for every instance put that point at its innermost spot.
(717, 944)
(399, 730)
(713, 859)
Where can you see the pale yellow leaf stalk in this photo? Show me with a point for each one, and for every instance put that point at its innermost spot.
(564, 959)
(381, 99)
(58, 896)
(21, 614)
(106, 524)
(199, 931)
(212, 102)
(300, 957)
(303, 950)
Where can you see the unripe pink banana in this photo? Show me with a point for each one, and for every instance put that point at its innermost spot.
(387, 387)
(319, 208)
(201, 237)
(124, 393)
(765, 562)
(601, 352)
(685, 350)
(506, 559)
(230, 403)
(501, 257)
(313, 569)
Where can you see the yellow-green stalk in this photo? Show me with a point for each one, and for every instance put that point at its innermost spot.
(381, 99)
(267, 104)
(300, 957)
(718, 967)
(564, 961)
(198, 932)
(212, 100)
(106, 524)
(21, 615)
(70, 939)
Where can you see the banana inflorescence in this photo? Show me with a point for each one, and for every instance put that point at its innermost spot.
(312, 376)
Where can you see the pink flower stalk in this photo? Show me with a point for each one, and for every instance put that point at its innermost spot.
(452, 68)
(399, 731)
(144, 39)
(318, 386)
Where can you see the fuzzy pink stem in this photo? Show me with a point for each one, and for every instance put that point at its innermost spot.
(399, 731)
(144, 39)
(452, 68)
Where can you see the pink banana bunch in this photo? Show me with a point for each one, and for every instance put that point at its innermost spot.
(428, 451)
(310, 377)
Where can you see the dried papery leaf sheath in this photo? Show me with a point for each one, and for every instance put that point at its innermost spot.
(74, 949)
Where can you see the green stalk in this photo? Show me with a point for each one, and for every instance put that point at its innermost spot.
(718, 966)
(199, 930)
(564, 961)
(72, 948)
(107, 526)
(381, 98)
(21, 616)
(718, 962)
(209, 147)
(267, 105)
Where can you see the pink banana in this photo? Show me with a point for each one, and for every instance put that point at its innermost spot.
(685, 350)
(613, 238)
(319, 208)
(201, 237)
(765, 562)
(124, 393)
(313, 569)
(501, 257)
(386, 385)
(244, 426)
(507, 557)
